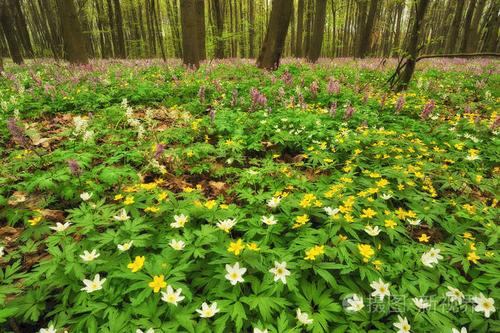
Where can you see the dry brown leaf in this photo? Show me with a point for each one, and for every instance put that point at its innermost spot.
(53, 215)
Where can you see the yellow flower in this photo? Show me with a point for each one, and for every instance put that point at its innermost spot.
(468, 235)
(152, 209)
(368, 213)
(390, 224)
(342, 237)
(188, 189)
(162, 196)
(401, 187)
(300, 221)
(157, 283)
(377, 264)
(473, 257)
(118, 197)
(472, 246)
(366, 251)
(348, 217)
(35, 220)
(315, 251)
(129, 200)
(236, 247)
(148, 186)
(382, 183)
(401, 213)
(424, 238)
(210, 204)
(224, 206)
(253, 246)
(137, 264)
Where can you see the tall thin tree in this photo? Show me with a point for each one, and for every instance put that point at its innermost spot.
(190, 42)
(74, 41)
(9, 32)
(277, 28)
(318, 31)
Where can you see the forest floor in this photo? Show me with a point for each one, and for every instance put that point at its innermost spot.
(131, 192)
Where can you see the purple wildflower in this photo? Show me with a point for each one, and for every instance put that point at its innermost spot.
(201, 94)
(333, 109)
(400, 103)
(74, 167)
(17, 132)
(234, 98)
(257, 98)
(496, 123)
(428, 108)
(349, 112)
(287, 78)
(333, 86)
(314, 88)
(160, 148)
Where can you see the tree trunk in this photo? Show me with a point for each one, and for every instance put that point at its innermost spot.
(190, 42)
(318, 31)
(218, 15)
(300, 28)
(200, 24)
(397, 33)
(366, 32)
(308, 28)
(73, 39)
(9, 32)
(360, 25)
(491, 34)
(21, 26)
(474, 27)
(120, 37)
(272, 47)
(451, 43)
(251, 28)
(412, 47)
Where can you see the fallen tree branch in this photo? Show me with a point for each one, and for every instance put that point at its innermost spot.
(457, 55)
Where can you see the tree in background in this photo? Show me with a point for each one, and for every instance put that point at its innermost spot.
(8, 27)
(318, 31)
(405, 72)
(277, 28)
(366, 30)
(190, 41)
(74, 43)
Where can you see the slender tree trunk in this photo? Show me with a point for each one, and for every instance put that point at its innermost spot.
(366, 30)
(491, 34)
(21, 26)
(308, 28)
(10, 33)
(397, 34)
(454, 29)
(190, 40)
(345, 36)
(120, 37)
(218, 14)
(74, 41)
(300, 28)
(474, 27)
(292, 31)
(277, 28)
(412, 47)
(251, 28)
(318, 31)
(200, 24)
(467, 23)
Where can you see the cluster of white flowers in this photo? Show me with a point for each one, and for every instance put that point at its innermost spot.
(81, 128)
(131, 120)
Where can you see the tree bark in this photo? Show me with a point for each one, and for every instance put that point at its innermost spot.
(474, 27)
(300, 28)
(251, 28)
(451, 43)
(272, 47)
(412, 47)
(120, 37)
(218, 15)
(491, 34)
(73, 39)
(200, 24)
(190, 43)
(365, 39)
(318, 31)
(10, 33)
